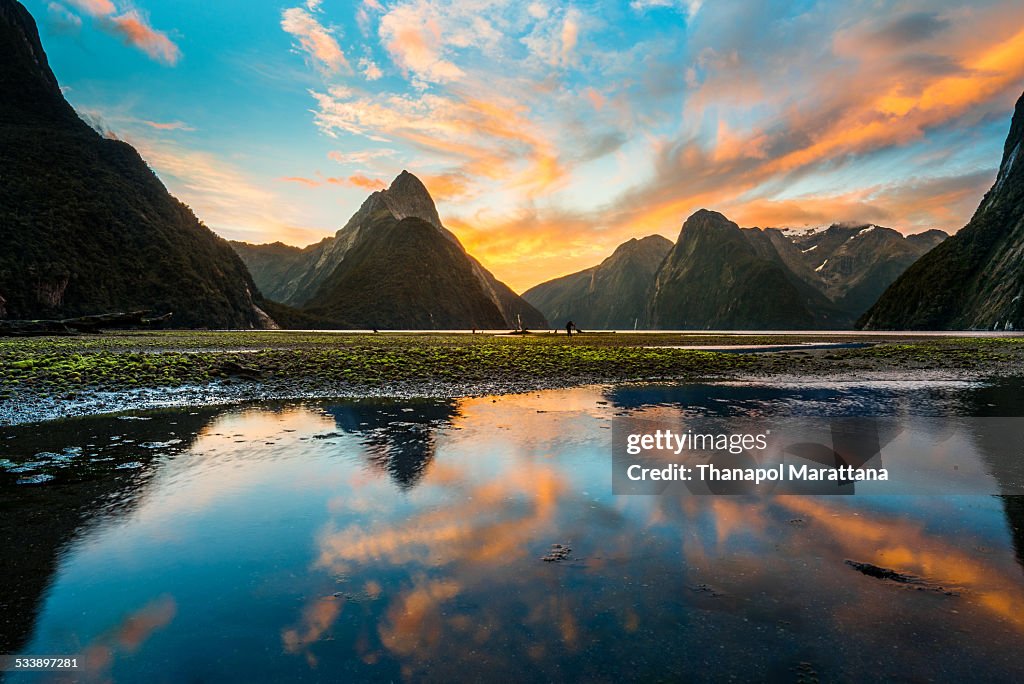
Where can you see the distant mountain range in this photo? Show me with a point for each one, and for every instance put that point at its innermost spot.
(718, 275)
(392, 265)
(85, 225)
(976, 278)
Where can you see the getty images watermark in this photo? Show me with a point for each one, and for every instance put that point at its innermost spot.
(810, 455)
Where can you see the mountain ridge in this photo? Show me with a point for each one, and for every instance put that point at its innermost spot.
(975, 279)
(836, 271)
(610, 295)
(86, 224)
(321, 279)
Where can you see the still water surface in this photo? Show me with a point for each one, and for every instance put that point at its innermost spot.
(377, 541)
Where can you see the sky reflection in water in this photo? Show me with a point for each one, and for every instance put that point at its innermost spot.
(383, 541)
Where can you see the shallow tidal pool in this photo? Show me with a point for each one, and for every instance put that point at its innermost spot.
(479, 539)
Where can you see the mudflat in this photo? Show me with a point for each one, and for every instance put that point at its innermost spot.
(50, 377)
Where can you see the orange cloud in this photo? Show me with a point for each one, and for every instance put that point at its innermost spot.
(96, 8)
(168, 126)
(317, 619)
(135, 30)
(929, 203)
(481, 138)
(413, 37)
(447, 186)
(896, 116)
(414, 622)
(308, 182)
(906, 546)
(355, 181)
(526, 247)
(360, 181)
(315, 40)
(128, 636)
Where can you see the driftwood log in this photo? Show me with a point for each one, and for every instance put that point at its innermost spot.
(77, 326)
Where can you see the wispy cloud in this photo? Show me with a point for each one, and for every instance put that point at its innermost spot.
(414, 36)
(316, 40)
(370, 69)
(96, 8)
(130, 24)
(357, 180)
(361, 157)
(60, 19)
(135, 30)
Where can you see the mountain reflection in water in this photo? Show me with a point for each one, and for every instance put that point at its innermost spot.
(403, 540)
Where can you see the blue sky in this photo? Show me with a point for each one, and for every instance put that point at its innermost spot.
(550, 132)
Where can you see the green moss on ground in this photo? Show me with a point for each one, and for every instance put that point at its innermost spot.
(62, 366)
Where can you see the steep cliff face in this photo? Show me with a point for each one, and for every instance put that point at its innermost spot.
(611, 295)
(436, 285)
(86, 225)
(975, 279)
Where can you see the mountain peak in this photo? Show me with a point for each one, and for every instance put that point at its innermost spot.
(408, 197)
(651, 243)
(702, 221)
(707, 216)
(26, 80)
(55, 263)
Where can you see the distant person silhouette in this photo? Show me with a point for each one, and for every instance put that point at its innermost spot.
(569, 327)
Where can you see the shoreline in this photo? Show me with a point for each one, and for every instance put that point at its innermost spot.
(27, 409)
(45, 379)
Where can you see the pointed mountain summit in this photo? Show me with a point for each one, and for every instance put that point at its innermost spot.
(407, 197)
(86, 226)
(719, 276)
(612, 295)
(975, 279)
(392, 265)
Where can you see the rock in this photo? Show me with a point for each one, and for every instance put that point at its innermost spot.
(558, 553)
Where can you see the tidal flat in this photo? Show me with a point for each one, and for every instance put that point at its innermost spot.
(52, 377)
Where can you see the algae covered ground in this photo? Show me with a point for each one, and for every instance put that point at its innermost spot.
(291, 363)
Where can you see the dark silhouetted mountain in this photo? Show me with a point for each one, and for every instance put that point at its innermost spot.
(85, 225)
(718, 276)
(611, 295)
(393, 265)
(975, 279)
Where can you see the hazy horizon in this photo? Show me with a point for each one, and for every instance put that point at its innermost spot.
(550, 133)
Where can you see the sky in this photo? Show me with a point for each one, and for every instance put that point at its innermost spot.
(548, 133)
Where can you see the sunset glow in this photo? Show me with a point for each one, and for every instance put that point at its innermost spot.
(548, 133)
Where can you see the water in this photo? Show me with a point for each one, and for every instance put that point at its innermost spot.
(375, 541)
